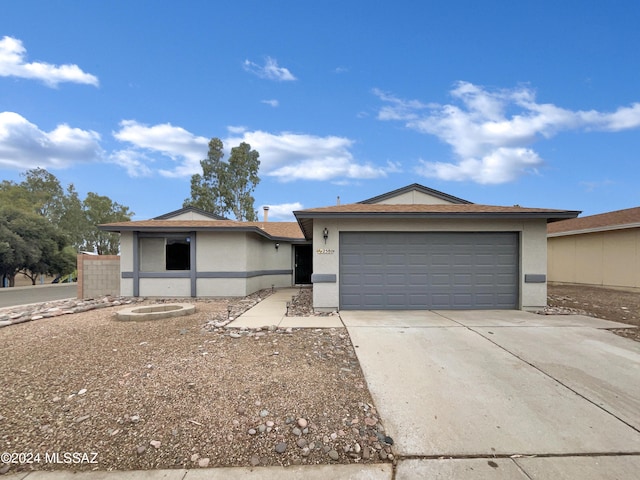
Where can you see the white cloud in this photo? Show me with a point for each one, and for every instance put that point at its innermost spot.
(286, 156)
(273, 103)
(12, 64)
(239, 129)
(270, 70)
(398, 109)
(292, 156)
(176, 143)
(499, 166)
(490, 132)
(24, 145)
(135, 162)
(281, 211)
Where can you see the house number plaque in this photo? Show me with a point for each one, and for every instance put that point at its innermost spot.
(325, 251)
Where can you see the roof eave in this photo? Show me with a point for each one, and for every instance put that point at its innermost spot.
(174, 229)
(305, 218)
(605, 228)
(549, 215)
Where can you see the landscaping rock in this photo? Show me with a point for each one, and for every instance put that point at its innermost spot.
(28, 313)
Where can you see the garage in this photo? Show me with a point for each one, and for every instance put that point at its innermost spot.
(428, 270)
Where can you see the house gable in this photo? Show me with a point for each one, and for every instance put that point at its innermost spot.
(415, 194)
(190, 213)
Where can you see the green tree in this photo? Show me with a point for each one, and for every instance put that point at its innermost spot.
(15, 195)
(100, 209)
(32, 245)
(223, 187)
(241, 181)
(207, 189)
(45, 193)
(73, 221)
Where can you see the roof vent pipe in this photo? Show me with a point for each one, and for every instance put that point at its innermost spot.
(266, 213)
(338, 201)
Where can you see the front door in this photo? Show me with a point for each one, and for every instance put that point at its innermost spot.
(303, 264)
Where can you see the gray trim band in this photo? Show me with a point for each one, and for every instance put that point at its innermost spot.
(535, 278)
(251, 274)
(323, 278)
(187, 274)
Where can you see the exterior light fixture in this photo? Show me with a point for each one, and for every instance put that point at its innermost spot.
(325, 234)
(277, 246)
(228, 311)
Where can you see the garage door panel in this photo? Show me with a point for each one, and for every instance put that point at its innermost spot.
(350, 259)
(463, 279)
(372, 280)
(417, 270)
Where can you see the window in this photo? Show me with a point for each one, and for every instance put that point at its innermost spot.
(178, 254)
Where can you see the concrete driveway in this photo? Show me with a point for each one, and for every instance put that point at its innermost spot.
(502, 394)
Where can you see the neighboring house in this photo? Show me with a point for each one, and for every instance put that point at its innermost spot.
(601, 250)
(412, 248)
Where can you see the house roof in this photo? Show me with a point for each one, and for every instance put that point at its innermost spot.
(415, 187)
(271, 230)
(426, 211)
(616, 220)
(181, 211)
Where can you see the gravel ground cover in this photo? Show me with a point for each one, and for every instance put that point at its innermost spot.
(606, 303)
(182, 393)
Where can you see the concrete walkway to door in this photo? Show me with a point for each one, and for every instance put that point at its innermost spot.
(502, 394)
(273, 311)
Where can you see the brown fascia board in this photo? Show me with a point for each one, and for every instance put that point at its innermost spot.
(550, 215)
(604, 228)
(118, 228)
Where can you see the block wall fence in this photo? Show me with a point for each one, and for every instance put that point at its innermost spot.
(98, 275)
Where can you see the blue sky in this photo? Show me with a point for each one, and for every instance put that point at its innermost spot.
(535, 103)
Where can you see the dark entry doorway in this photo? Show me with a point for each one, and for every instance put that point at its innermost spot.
(303, 264)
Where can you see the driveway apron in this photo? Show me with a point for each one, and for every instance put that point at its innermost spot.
(499, 384)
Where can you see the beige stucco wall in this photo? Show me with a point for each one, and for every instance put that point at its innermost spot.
(191, 216)
(240, 252)
(165, 287)
(126, 263)
(533, 257)
(220, 251)
(262, 255)
(216, 252)
(152, 254)
(610, 258)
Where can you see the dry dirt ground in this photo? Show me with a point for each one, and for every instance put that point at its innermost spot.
(615, 305)
(179, 393)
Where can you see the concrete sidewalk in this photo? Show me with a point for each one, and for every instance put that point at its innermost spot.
(20, 296)
(273, 310)
(307, 472)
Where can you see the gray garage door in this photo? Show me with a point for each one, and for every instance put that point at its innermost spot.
(420, 270)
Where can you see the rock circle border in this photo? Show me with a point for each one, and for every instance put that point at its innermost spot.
(155, 312)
